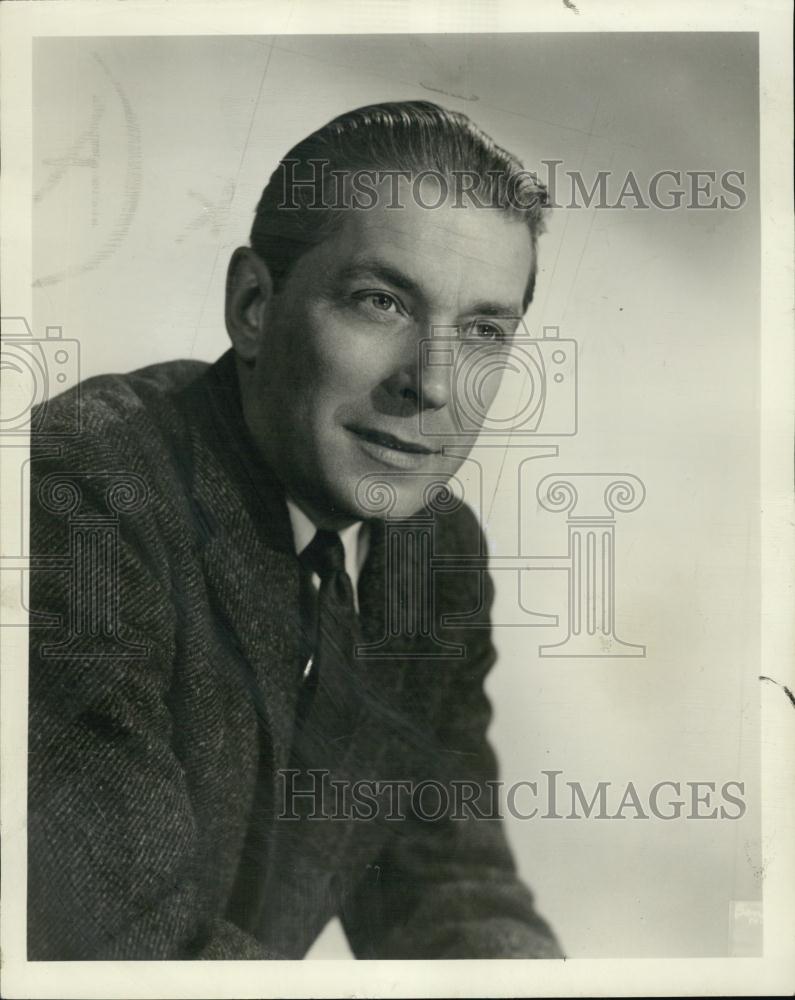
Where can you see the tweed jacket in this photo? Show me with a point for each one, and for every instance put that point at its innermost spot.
(164, 679)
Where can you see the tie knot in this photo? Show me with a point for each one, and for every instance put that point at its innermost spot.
(325, 554)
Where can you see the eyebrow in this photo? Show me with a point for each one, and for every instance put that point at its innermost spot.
(494, 309)
(392, 276)
(383, 272)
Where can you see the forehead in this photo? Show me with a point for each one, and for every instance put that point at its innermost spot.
(450, 252)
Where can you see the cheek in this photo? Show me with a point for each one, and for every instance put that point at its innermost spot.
(349, 358)
(491, 389)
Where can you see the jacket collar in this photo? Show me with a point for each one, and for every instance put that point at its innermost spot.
(225, 432)
(245, 543)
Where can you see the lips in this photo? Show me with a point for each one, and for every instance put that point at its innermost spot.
(392, 452)
(386, 440)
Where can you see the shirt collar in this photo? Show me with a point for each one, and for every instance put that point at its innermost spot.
(353, 538)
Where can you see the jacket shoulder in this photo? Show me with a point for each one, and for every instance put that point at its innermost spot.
(460, 532)
(104, 399)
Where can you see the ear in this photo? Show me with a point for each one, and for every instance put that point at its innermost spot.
(249, 291)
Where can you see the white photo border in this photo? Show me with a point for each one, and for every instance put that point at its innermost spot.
(771, 974)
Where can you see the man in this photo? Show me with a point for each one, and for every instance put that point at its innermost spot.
(213, 640)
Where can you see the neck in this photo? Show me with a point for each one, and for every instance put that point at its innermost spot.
(323, 519)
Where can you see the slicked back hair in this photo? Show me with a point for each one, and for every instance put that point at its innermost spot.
(301, 204)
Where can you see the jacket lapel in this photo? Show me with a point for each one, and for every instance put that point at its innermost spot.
(247, 553)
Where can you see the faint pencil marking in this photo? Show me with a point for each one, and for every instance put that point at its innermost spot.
(213, 213)
(449, 93)
(241, 161)
(84, 152)
(132, 185)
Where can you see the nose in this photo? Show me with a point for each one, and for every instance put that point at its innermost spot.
(420, 383)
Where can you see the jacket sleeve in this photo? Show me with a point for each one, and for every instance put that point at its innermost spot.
(112, 838)
(448, 887)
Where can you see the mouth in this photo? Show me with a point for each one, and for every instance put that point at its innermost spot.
(390, 441)
(391, 450)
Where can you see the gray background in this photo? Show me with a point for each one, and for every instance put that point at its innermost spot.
(149, 156)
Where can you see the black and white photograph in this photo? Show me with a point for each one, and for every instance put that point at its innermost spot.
(397, 513)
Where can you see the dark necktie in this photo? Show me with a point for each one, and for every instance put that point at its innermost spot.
(330, 698)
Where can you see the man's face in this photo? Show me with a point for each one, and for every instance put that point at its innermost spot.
(341, 395)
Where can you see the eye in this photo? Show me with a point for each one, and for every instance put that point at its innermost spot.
(381, 302)
(486, 330)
